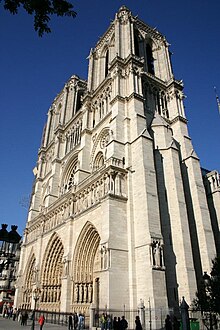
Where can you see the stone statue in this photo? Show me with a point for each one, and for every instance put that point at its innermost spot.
(90, 293)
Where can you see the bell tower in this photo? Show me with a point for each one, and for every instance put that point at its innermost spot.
(118, 187)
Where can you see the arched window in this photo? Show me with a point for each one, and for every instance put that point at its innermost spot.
(150, 59)
(99, 161)
(69, 179)
(78, 100)
(106, 62)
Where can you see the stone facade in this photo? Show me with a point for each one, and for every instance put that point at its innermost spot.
(119, 211)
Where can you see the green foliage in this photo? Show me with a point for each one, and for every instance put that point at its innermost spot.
(208, 294)
(41, 10)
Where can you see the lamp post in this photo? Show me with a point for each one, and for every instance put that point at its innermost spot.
(36, 296)
(9, 247)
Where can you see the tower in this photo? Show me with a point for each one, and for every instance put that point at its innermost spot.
(118, 210)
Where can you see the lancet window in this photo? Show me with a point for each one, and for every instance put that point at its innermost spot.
(136, 43)
(73, 136)
(150, 59)
(69, 180)
(101, 106)
(106, 62)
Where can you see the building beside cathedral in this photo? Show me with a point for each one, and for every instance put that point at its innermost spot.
(119, 210)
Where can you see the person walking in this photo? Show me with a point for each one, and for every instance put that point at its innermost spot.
(75, 320)
(70, 323)
(168, 324)
(124, 323)
(41, 321)
(115, 323)
(138, 323)
(81, 322)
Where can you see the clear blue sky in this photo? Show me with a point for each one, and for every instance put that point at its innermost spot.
(34, 70)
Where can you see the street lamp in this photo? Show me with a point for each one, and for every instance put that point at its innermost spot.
(9, 241)
(9, 248)
(36, 296)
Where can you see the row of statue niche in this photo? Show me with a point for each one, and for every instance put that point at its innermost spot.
(102, 187)
(157, 254)
(51, 294)
(83, 292)
(27, 295)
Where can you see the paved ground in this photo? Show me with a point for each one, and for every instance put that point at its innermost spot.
(6, 324)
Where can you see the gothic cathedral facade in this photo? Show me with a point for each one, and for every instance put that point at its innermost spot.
(119, 209)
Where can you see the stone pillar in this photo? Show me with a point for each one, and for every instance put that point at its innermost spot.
(185, 315)
(141, 312)
(91, 316)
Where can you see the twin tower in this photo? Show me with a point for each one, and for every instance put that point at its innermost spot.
(119, 210)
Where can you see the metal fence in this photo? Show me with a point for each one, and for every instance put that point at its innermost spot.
(151, 319)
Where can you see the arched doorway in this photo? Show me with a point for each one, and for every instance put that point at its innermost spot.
(86, 267)
(51, 274)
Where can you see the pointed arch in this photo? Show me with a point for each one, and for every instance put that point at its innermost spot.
(30, 279)
(98, 161)
(68, 177)
(101, 142)
(85, 253)
(51, 273)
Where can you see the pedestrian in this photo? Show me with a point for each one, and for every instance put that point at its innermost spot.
(14, 314)
(115, 323)
(25, 318)
(19, 316)
(109, 322)
(70, 323)
(168, 324)
(119, 323)
(103, 321)
(41, 321)
(81, 322)
(124, 323)
(75, 320)
(138, 323)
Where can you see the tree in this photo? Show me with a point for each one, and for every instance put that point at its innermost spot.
(208, 295)
(41, 10)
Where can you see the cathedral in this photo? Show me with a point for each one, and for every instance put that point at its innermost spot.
(121, 210)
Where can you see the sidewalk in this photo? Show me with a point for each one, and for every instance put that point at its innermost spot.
(9, 324)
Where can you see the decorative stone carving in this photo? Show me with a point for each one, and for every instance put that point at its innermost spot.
(124, 15)
(157, 254)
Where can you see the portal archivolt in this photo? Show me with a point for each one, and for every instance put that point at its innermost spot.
(29, 282)
(51, 274)
(86, 263)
